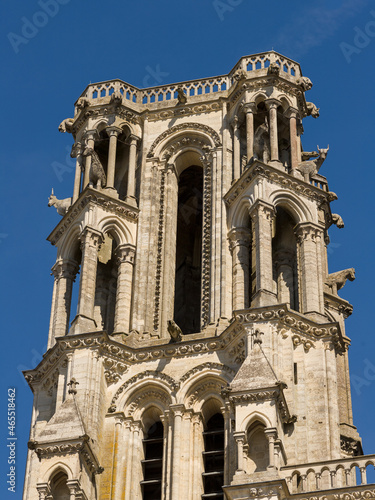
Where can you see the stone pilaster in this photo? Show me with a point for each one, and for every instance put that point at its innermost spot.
(64, 273)
(272, 105)
(125, 263)
(309, 239)
(292, 113)
(236, 149)
(77, 151)
(130, 196)
(249, 108)
(91, 240)
(239, 241)
(239, 438)
(271, 435)
(178, 412)
(113, 133)
(261, 214)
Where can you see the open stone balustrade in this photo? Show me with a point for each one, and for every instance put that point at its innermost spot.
(256, 66)
(331, 474)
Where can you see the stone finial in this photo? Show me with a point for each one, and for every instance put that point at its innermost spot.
(257, 337)
(73, 386)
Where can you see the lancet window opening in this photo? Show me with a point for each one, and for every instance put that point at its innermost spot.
(152, 464)
(285, 259)
(188, 271)
(213, 458)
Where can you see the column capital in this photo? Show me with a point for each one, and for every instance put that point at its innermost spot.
(93, 236)
(132, 140)
(178, 410)
(125, 253)
(65, 269)
(271, 433)
(113, 131)
(239, 236)
(262, 208)
(43, 490)
(272, 103)
(90, 134)
(239, 436)
(249, 107)
(291, 112)
(308, 231)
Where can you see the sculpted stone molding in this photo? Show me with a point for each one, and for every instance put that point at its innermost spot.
(125, 253)
(210, 385)
(113, 370)
(206, 160)
(80, 446)
(182, 143)
(237, 353)
(181, 127)
(65, 269)
(152, 375)
(307, 344)
(151, 395)
(298, 324)
(209, 366)
(185, 111)
(159, 262)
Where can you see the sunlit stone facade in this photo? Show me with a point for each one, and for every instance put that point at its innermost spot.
(203, 353)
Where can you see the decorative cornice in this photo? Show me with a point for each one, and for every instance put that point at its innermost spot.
(80, 445)
(207, 366)
(193, 127)
(282, 179)
(197, 109)
(91, 195)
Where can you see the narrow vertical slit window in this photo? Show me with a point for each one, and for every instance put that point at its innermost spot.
(213, 458)
(152, 464)
(295, 374)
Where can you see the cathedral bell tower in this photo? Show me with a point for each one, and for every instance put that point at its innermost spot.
(197, 345)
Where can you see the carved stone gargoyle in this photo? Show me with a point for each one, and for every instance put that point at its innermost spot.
(62, 206)
(66, 125)
(312, 110)
(273, 69)
(336, 281)
(338, 221)
(181, 97)
(174, 331)
(97, 173)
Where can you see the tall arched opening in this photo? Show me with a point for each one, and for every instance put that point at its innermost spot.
(188, 272)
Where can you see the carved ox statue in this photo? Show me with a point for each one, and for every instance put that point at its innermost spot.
(336, 281)
(62, 206)
(311, 167)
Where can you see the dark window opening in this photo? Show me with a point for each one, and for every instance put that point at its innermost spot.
(213, 458)
(152, 464)
(187, 297)
(295, 374)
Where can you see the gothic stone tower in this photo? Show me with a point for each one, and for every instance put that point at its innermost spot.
(206, 357)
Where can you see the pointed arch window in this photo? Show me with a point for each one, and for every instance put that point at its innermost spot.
(59, 488)
(188, 273)
(213, 458)
(152, 464)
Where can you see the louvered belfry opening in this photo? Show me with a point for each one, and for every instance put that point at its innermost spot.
(213, 458)
(153, 462)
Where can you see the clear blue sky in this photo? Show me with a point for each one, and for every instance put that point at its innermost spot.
(45, 69)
